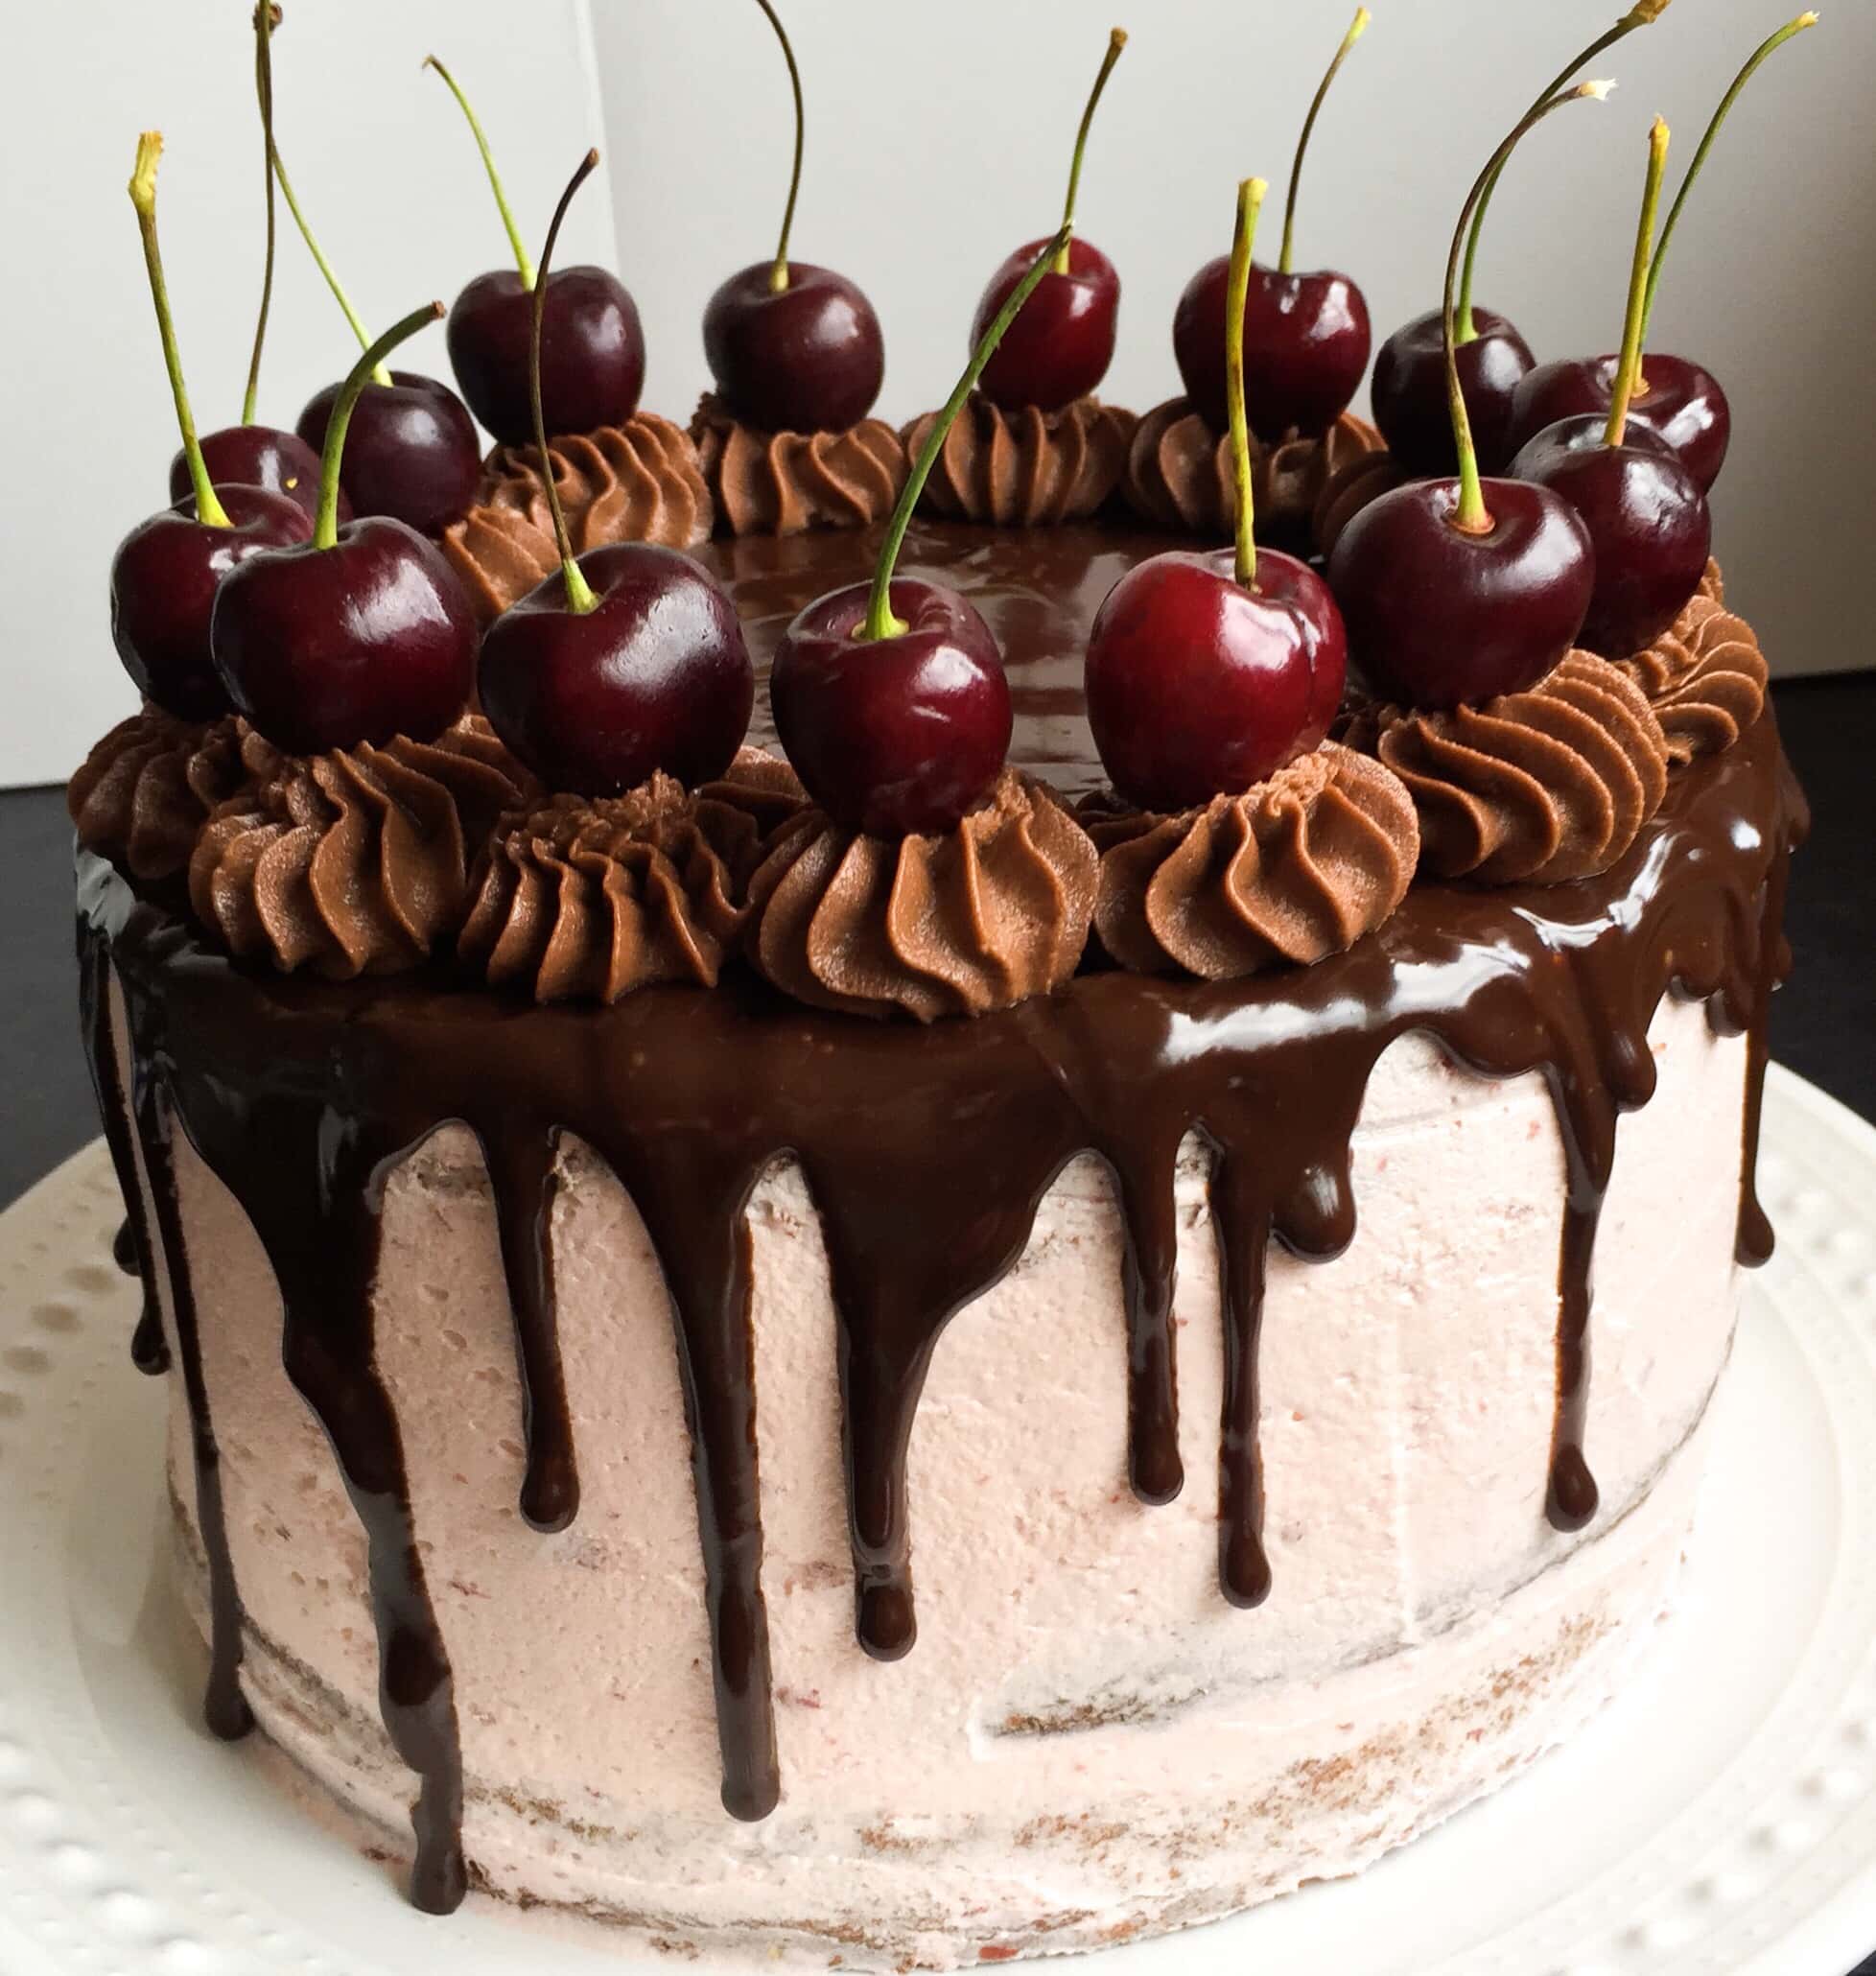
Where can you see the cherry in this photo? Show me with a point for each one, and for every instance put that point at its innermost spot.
(1646, 513)
(890, 698)
(250, 455)
(592, 345)
(1410, 373)
(165, 571)
(631, 660)
(794, 348)
(1677, 399)
(1410, 392)
(1448, 600)
(359, 634)
(1060, 347)
(1307, 337)
(1208, 672)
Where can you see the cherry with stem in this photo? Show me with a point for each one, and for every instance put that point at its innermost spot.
(1307, 335)
(627, 662)
(1059, 348)
(1458, 589)
(1680, 399)
(1209, 673)
(794, 347)
(1646, 513)
(891, 702)
(166, 572)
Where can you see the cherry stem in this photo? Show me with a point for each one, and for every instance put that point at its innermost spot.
(380, 376)
(143, 196)
(1766, 47)
(1640, 15)
(325, 519)
(1116, 41)
(1628, 371)
(1237, 292)
(880, 621)
(579, 592)
(1357, 29)
(1473, 517)
(267, 17)
(521, 262)
(778, 276)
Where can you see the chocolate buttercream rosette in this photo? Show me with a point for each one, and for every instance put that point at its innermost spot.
(590, 898)
(1024, 467)
(356, 861)
(1296, 868)
(1350, 488)
(787, 484)
(1179, 474)
(1535, 788)
(974, 918)
(144, 790)
(637, 482)
(1706, 676)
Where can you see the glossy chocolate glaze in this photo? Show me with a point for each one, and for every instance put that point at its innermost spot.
(926, 1150)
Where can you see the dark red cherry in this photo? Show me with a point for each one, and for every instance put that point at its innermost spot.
(257, 456)
(328, 648)
(1199, 686)
(1410, 393)
(893, 735)
(1438, 617)
(163, 582)
(806, 359)
(655, 676)
(1681, 400)
(1059, 348)
(1306, 340)
(592, 351)
(412, 452)
(1647, 517)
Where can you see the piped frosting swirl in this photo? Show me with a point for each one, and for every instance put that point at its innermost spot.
(143, 793)
(640, 482)
(980, 918)
(1291, 871)
(1704, 676)
(353, 862)
(1025, 468)
(588, 898)
(1349, 489)
(1533, 787)
(784, 484)
(1179, 473)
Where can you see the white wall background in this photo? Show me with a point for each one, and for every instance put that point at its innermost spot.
(937, 140)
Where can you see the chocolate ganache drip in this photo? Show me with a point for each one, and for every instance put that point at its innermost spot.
(786, 484)
(926, 1198)
(640, 482)
(1023, 468)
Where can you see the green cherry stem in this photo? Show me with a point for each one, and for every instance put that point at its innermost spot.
(267, 17)
(1628, 370)
(1237, 291)
(325, 520)
(1473, 517)
(1642, 14)
(380, 376)
(777, 275)
(521, 262)
(880, 621)
(1357, 29)
(143, 196)
(1116, 41)
(579, 592)
(1766, 47)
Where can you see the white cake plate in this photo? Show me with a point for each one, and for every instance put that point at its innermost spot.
(1720, 1818)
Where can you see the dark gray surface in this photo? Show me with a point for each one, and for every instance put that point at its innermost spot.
(1823, 1022)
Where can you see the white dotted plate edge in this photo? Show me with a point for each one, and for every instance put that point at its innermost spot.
(1719, 1821)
